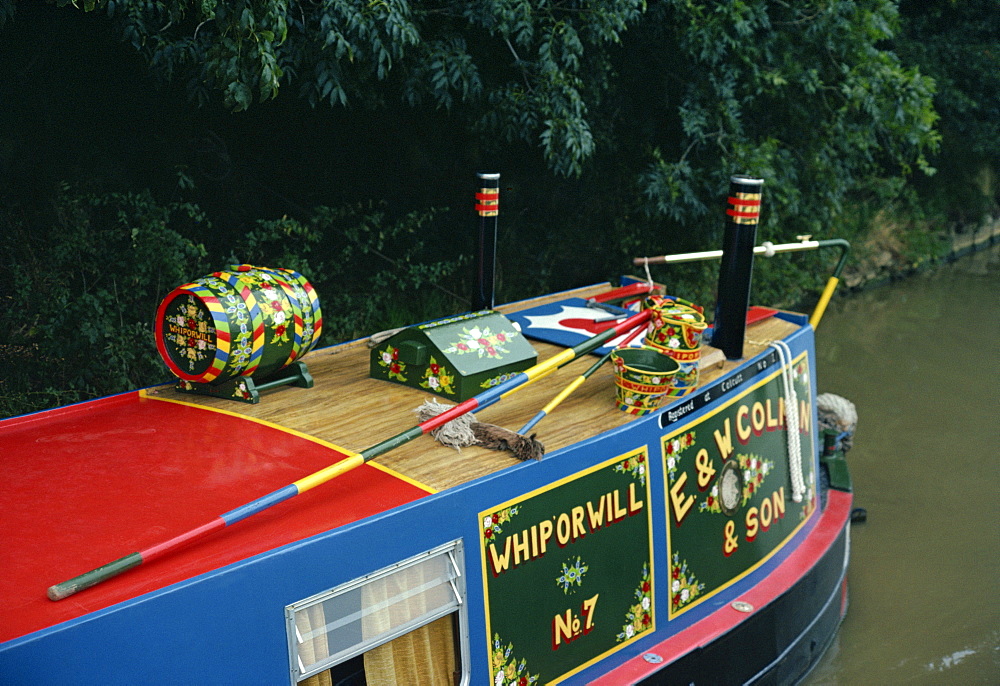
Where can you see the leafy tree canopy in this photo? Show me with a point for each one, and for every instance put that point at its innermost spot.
(802, 93)
(533, 69)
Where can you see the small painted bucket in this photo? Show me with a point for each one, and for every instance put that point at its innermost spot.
(643, 377)
(675, 325)
(686, 378)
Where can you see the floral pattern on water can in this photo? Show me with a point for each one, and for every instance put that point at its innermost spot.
(505, 668)
(639, 617)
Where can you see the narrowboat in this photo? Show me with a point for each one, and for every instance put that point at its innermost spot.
(577, 514)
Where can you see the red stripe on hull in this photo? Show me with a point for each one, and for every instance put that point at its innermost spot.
(788, 573)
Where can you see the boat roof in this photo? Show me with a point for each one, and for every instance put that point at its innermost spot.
(90, 483)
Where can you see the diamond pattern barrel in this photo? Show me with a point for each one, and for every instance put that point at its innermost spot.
(245, 321)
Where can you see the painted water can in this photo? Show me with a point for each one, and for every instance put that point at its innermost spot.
(675, 324)
(686, 378)
(242, 322)
(643, 377)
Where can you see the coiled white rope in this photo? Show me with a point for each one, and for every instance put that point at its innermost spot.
(791, 421)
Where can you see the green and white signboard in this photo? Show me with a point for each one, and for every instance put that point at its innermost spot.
(568, 575)
(729, 487)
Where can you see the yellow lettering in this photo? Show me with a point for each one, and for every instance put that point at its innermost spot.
(805, 417)
(757, 418)
(779, 502)
(742, 429)
(729, 539)
(766, 512)
(705, 469)
(588, 611)
(500, 563)
(562, 628)
(633, 504)
(772, 421)
(578, 528)
(520, 547)
(596, 517)
(563, 529)
(545, 533)
(620, 511)
(725, 443)
(752, 525)
(680, 504)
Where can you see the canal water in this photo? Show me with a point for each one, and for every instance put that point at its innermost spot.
(921, 361)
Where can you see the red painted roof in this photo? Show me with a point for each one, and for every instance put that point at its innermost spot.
(90, 483)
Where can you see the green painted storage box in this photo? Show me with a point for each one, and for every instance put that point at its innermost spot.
(455, 358)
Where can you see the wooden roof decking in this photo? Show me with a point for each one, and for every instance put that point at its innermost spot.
(347, 408)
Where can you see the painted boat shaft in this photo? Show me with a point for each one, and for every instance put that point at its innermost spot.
(113, 569)
(576, 383)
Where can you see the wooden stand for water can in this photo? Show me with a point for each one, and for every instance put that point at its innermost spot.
(235, 333)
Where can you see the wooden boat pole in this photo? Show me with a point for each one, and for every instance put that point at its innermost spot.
(488, 397)
(576, 383)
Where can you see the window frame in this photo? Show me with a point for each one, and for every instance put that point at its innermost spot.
(455, 557)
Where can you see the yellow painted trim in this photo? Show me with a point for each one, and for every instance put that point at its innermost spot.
(319, 441)
(550, 364)
(402, 477)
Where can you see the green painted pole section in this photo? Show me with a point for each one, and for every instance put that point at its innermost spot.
(392, 443)
(94, 577)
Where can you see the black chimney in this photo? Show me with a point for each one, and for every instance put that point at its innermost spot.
(733, 297)
(487, 207)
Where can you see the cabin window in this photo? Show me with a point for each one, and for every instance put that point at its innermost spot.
(399, 625)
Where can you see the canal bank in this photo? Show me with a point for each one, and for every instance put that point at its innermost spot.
(880, 259)
(919, 358)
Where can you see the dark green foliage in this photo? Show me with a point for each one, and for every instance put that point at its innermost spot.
(527, 71)
(958, 44)
(371, 273)
(800, 94)
(84, 279)
(615, 125)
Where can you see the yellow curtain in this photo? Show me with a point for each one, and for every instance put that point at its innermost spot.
(425, 655)
(313, 649)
